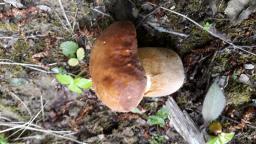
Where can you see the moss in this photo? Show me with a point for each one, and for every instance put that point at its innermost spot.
(221, 63)
(238, 93)
(227, 60)
(20, 51)
(194, 6)
(9, 27)
(13, 112)
(197, 38)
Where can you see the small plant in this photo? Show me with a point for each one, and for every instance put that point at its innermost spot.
(75, 85)
(157, 139)
(71, 50)
(159, 118)
(207, 26)
(222, 138)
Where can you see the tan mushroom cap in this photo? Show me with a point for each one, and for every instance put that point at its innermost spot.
(119, 79)
(164, 70)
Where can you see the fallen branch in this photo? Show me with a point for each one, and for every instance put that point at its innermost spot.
(183, 124)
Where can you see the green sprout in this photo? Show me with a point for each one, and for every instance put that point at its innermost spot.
(207, 26)
(159, 118)
(74, 84)
(71, 50)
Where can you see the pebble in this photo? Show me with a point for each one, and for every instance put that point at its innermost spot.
(243, 78)
(249, 66)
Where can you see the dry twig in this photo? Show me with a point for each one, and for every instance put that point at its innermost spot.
(210, 32)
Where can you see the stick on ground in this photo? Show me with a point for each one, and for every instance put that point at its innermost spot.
(183, 124)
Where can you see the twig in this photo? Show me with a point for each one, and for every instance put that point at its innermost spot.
(4, 118)
(64, 14)
(29, 122)
(161, 29)
(19, 99)
(74, 23)
(98, 11)
(31, 66)
(42, 106)
(45, 131)
(6, 37)
(146, 16)
(64, 26)
(210, 32)
(237, 122)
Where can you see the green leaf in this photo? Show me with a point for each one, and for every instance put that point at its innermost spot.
(156, 120)
(163, 113)
(83, 83)
(64, 79)
(136, 110)
(226, 137)
(73, 62)
(222, 138)
(80, 53)
(74, 88)
(69, 48)
(207, 26)
(214, 140)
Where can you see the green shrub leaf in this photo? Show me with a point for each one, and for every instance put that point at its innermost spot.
(69, 48)
(214, 140)
(80, 53)
(73, 62)
(74, 88)
(156, 120)
(83, 83)
(64, 79)
(163, 113)
(222, 138)
(226, 137)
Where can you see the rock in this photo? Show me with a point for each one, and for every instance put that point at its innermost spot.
(249, 66)
(244, 79)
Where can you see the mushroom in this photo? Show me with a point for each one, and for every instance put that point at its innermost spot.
(119, 79)
(122, 74)
(164, 71)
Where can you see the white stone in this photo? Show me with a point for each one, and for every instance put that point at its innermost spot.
(249, 66)
(244, 78)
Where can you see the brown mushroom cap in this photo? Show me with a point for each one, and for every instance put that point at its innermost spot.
(164, 70)
(118, 77)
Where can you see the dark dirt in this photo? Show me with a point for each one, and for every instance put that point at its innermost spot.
(32, 34)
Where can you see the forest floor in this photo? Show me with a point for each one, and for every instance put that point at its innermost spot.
(35, 108)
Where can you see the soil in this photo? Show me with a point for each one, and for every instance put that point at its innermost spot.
(33, 32)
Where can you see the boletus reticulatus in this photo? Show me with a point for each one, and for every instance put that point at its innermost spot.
(122, 74)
